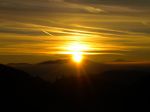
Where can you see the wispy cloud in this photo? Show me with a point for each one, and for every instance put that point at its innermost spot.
(122, 26)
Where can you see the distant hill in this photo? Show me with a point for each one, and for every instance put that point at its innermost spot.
(18, 64)
(54, 62)
(51, 70)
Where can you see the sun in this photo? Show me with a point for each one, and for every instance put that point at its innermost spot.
(77, 57)
(77, 50)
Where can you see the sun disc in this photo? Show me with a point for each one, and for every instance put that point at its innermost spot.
(77, 57)
(76, 50)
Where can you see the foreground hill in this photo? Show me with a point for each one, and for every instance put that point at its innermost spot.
(21, 92)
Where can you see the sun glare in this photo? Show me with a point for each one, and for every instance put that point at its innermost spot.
(77, 57)
(77, 51)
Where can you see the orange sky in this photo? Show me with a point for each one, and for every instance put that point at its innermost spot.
(112, 30)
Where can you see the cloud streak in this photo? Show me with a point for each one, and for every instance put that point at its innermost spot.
(121, 25)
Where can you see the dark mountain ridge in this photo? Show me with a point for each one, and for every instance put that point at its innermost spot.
(20, 91)
(113, 87)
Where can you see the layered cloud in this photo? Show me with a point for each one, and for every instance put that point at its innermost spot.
(51, 6)
(77, 6)
(144, 4)
(41, 26)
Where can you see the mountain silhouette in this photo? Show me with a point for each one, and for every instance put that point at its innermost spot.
(60, 61)
(87, 87)
(22, 92)
(51, 70)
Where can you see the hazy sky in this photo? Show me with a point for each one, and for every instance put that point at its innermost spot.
(113, 29)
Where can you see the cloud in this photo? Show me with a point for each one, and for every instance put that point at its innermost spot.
(53, 6)
(121, 25)
(117, 6)
(129, 3)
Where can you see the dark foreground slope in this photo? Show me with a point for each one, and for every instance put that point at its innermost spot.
(21, 92)
(123, 89)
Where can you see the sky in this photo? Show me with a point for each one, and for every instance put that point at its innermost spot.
(110, 29)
